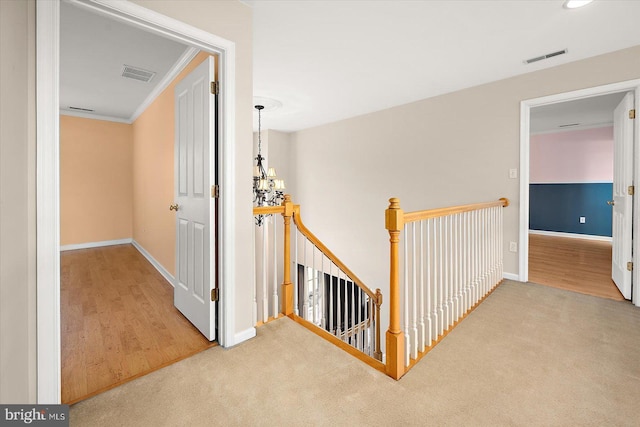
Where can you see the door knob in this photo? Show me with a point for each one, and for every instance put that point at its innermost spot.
(174, 207)
(611, 202)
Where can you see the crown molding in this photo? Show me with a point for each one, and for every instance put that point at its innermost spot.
(180, 64)
(86, 115)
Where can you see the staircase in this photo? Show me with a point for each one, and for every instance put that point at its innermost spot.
(442, 264)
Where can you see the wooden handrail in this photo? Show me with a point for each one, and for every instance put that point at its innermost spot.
(268, 210)
(435, 213)
(313, 239)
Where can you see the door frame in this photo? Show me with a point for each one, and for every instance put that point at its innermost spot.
(48, 168)
(525, 119)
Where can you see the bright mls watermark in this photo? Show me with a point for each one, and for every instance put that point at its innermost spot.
(34, 415)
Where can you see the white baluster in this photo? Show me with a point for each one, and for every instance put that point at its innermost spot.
(441, 278)
(465, 269)
(323, 302)
(422, 336)
(254, 306)
(447, 269)
(414, 295)
(353, 312)
(460, 267)
(330, 302)
(429, 283)
(494, 263)
(500, 241)
(275, 300)
(294, 270)
(467, 261)
(314, 291)
(454, 289)
(359, 318)
(473, 258)
(265, 292)
(445, 273)
(338, 305)
(305, 283)
(486, 251)
(405, 261)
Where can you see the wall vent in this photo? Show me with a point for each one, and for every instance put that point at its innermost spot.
(546, 56)
(136, 73)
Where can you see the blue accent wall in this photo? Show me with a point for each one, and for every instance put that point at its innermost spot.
(558, 207)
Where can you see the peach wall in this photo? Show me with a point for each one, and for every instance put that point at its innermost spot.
(572, 157)
(95, 180)
(153, 133)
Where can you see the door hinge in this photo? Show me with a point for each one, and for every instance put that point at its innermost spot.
(215, 88)
(632, 114)
(214, 294)
(631, 190)
(215, 191)
(630, 266)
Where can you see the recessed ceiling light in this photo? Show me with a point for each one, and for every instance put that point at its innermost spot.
(573, 4)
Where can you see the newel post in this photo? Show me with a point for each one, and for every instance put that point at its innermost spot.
(394, 222)
(287, 287)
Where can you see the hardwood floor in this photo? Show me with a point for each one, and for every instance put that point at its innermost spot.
(118, 321)
(578, 265)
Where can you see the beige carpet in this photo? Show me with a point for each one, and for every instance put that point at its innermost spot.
(529, 355)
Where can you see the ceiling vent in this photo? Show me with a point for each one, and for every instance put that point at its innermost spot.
(137, 73)
(88, 110)
(547, 56)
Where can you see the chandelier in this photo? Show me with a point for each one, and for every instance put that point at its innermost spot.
(268, 190)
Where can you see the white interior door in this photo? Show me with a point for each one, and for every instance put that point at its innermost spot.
(622, 200)
(194, 176)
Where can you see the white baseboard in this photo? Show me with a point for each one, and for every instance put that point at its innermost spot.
(511, 276)
(153, 262)
(95, 244)
(571, 235)
(243, 336)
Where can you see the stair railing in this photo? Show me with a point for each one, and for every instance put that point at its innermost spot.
(451, 260)
(318, 290)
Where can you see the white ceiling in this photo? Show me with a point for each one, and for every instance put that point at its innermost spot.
(578, 114)
(93, 51)
(330, 60)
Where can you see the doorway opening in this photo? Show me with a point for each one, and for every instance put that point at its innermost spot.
(118, 319)
(541, 197)
(571, 177)
(48, 183)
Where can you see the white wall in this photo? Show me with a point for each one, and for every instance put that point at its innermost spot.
(447, 150)
(17, 203)
(280, 150)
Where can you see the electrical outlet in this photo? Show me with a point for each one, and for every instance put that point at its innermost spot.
(513, 246)
(583, 219)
